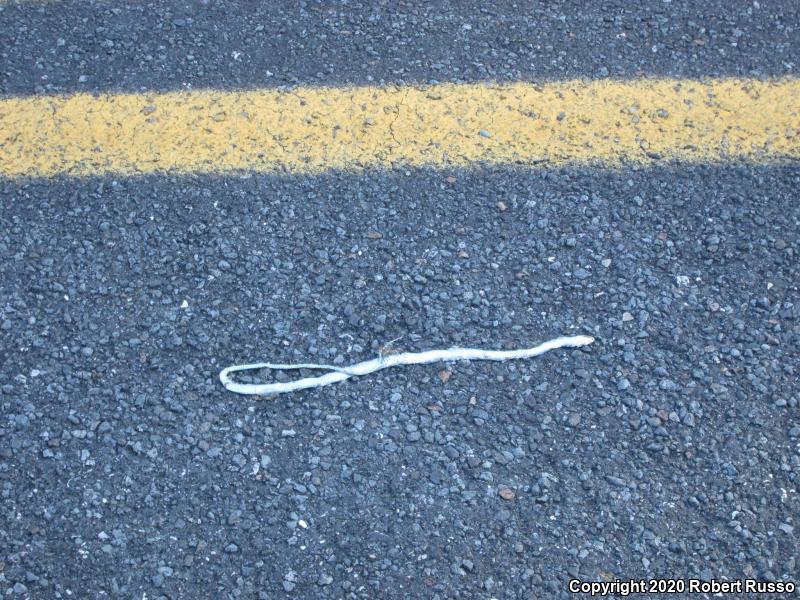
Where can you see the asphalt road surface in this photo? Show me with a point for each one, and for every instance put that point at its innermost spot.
(669, 448)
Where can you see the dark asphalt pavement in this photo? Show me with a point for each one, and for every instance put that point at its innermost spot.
(80, 45)
(669, 448)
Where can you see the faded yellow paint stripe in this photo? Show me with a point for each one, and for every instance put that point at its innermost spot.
(604, 122)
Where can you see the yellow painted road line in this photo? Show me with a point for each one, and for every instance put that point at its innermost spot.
(603, 122)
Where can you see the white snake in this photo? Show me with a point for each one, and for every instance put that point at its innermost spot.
(383, 362)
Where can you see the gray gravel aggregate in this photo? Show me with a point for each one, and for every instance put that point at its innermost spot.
(92, 45)
(669, 447)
